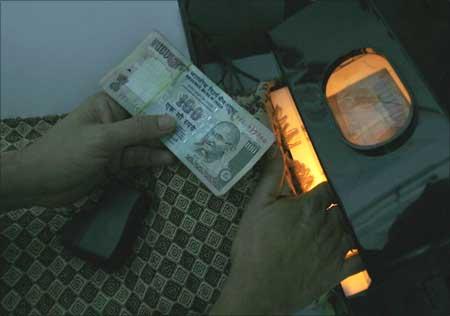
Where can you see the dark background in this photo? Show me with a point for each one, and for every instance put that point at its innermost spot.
(222, 30)
(233, 29)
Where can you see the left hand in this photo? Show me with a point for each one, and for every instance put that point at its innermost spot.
(97, 138)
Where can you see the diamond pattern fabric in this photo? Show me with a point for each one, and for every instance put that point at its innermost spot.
(179, 263)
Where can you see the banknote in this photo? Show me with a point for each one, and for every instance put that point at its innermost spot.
(215, 138)
(371, 110)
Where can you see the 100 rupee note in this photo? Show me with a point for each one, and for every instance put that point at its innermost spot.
(215, 138)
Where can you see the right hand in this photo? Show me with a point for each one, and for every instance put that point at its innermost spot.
(288, 251)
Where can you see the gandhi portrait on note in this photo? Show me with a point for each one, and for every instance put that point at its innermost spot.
(217, 145)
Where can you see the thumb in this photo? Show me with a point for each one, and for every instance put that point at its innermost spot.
(138, 130)
(271, 180)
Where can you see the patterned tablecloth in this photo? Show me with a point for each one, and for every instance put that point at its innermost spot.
(180, 260)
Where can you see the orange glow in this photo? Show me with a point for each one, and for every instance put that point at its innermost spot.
(306, 163)
(369, 102)
(292, 135)
(358, 282)
(359, 67)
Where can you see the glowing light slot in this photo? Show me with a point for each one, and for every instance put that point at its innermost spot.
(358, 282)
(293, 137)
(306, 164)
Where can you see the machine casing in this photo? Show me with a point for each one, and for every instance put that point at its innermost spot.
(375, 186)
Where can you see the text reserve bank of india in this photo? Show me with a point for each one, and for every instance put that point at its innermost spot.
(215, 138)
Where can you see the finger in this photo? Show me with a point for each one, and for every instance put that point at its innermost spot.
(154, 143)
(137, 130)
(330, 230)
(338, 270)
(318, 199)
(340, 248)
(118, 112)
(345, 245)
(104, 111)
(341, 217)
(271, 179)
(101, 108)
(144, 157)
(336, 245)
(312, 206)
(333, 219)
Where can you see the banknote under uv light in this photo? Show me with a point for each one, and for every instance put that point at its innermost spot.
(215, 138)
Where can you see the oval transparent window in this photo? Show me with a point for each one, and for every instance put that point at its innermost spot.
(369, 102)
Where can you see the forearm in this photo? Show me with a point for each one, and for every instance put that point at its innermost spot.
(232, 301)
(18, 184)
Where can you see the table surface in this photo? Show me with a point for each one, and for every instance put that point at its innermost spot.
(53, 53)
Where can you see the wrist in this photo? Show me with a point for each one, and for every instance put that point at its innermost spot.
(247, 292)
(241, 297)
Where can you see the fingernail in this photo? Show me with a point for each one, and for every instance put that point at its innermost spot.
(166, 122)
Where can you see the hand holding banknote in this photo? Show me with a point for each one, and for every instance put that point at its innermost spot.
(80, 151)
(216, 139)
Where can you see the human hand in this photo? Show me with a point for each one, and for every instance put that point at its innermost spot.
(96, 139)
(288, 251)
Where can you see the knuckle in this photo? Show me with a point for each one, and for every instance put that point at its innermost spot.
(323, 189)
(95, 99)
(102, 135)
(147, 156)
(115, 163)
(306, 203)
(128, 158)
(102, 110)
(98, 101)
(93, 137)
(100, 96)
(140, 156)
(140, 127)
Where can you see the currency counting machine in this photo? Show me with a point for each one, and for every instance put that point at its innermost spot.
(357, 106)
